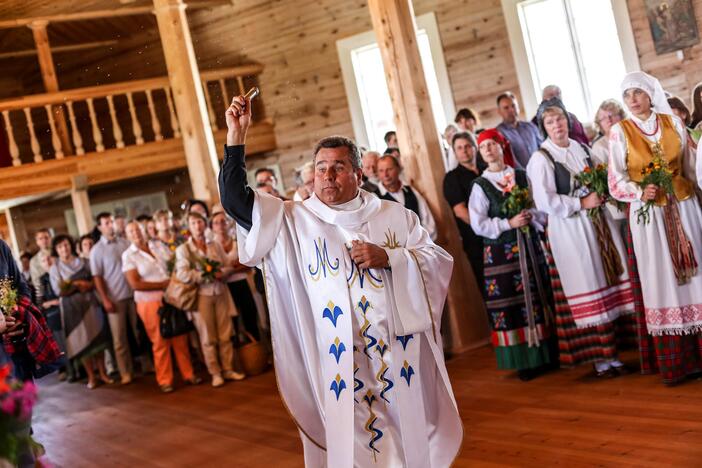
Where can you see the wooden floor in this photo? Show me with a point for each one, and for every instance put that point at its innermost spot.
(566, 418)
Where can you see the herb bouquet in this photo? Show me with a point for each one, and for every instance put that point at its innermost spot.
(657, 173)
(209, 269)
(517, 199)
(595, 180)
(8, 296)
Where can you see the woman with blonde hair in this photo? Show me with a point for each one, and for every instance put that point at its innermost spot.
(609, 113)
(195, 263)
(588, 252)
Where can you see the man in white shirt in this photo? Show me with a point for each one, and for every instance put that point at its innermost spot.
(43, 241)
(369, 162)
(305, 182)
(392, 188)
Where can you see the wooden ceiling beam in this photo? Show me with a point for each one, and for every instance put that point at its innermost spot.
(59, 49)
(97, 14)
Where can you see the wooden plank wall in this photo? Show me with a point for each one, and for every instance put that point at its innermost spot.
(302, 84)
(678, 77)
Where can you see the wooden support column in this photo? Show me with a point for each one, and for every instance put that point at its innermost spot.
(393, 22)
(48, 74)
(81, 203)
(184, 77)
(18, 232)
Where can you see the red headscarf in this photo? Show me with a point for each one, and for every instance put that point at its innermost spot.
(494, 134)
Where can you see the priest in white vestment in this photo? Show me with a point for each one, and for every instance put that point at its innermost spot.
(356, 289)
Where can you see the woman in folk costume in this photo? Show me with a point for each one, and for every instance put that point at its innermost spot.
(516, 294)
(588, 252)
(668, 244)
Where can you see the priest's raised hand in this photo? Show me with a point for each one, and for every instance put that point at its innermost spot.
(238, 117)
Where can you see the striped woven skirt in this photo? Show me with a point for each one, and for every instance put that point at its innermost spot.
(507, 311)
(675, 357)
(582, 345)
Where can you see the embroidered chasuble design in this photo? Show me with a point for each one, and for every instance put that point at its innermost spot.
(404, 339)
(357, 383)
(407, 372)
(362, 275)
(323, 261)
(332, 312)
(336, 349)
(370, 341)
(390, 240)
(387, 384)
(375, 434)
(338, 385)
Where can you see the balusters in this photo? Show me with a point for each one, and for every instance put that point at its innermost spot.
(174, 119)
(155, 125)
(116, 129)
(213, 117)
(34, 143)
(55, 141)
(223, 89)
(14, 150)
(75, 134)
(136, 127)
(97, 134)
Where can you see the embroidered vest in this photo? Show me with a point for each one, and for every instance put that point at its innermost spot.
(562, 174)
(639, 153)
(497, 198)
(411, 202)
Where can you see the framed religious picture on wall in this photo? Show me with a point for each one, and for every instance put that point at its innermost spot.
(673, 24)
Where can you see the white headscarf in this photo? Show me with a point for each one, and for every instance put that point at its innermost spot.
(650, 86)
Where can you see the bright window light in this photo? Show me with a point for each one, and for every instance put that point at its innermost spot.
(373, 91)
(573, 44)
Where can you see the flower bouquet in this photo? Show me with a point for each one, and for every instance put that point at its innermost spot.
(595, 180)
(517, 199)
(209, 269)
(659, 174)
(16, 402)
(8, 296)
(66, 286)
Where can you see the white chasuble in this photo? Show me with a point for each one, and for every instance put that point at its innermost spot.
(358, 353)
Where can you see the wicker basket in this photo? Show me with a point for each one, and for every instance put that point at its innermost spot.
(253, 355)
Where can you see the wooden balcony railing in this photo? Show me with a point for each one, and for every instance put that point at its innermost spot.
(116, 115)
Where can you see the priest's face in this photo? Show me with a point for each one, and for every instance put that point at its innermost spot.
(335, 179)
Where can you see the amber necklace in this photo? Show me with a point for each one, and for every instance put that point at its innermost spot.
(655, 130)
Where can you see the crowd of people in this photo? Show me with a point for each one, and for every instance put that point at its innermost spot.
(581, 242)
(100, 296)
(579, 274)
(565, 281)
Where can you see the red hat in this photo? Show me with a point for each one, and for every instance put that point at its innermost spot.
(494, 134)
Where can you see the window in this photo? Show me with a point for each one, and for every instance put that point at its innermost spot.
(583, 46)
(367, 91)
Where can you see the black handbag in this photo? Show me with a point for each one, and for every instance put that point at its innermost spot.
(172, 321)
